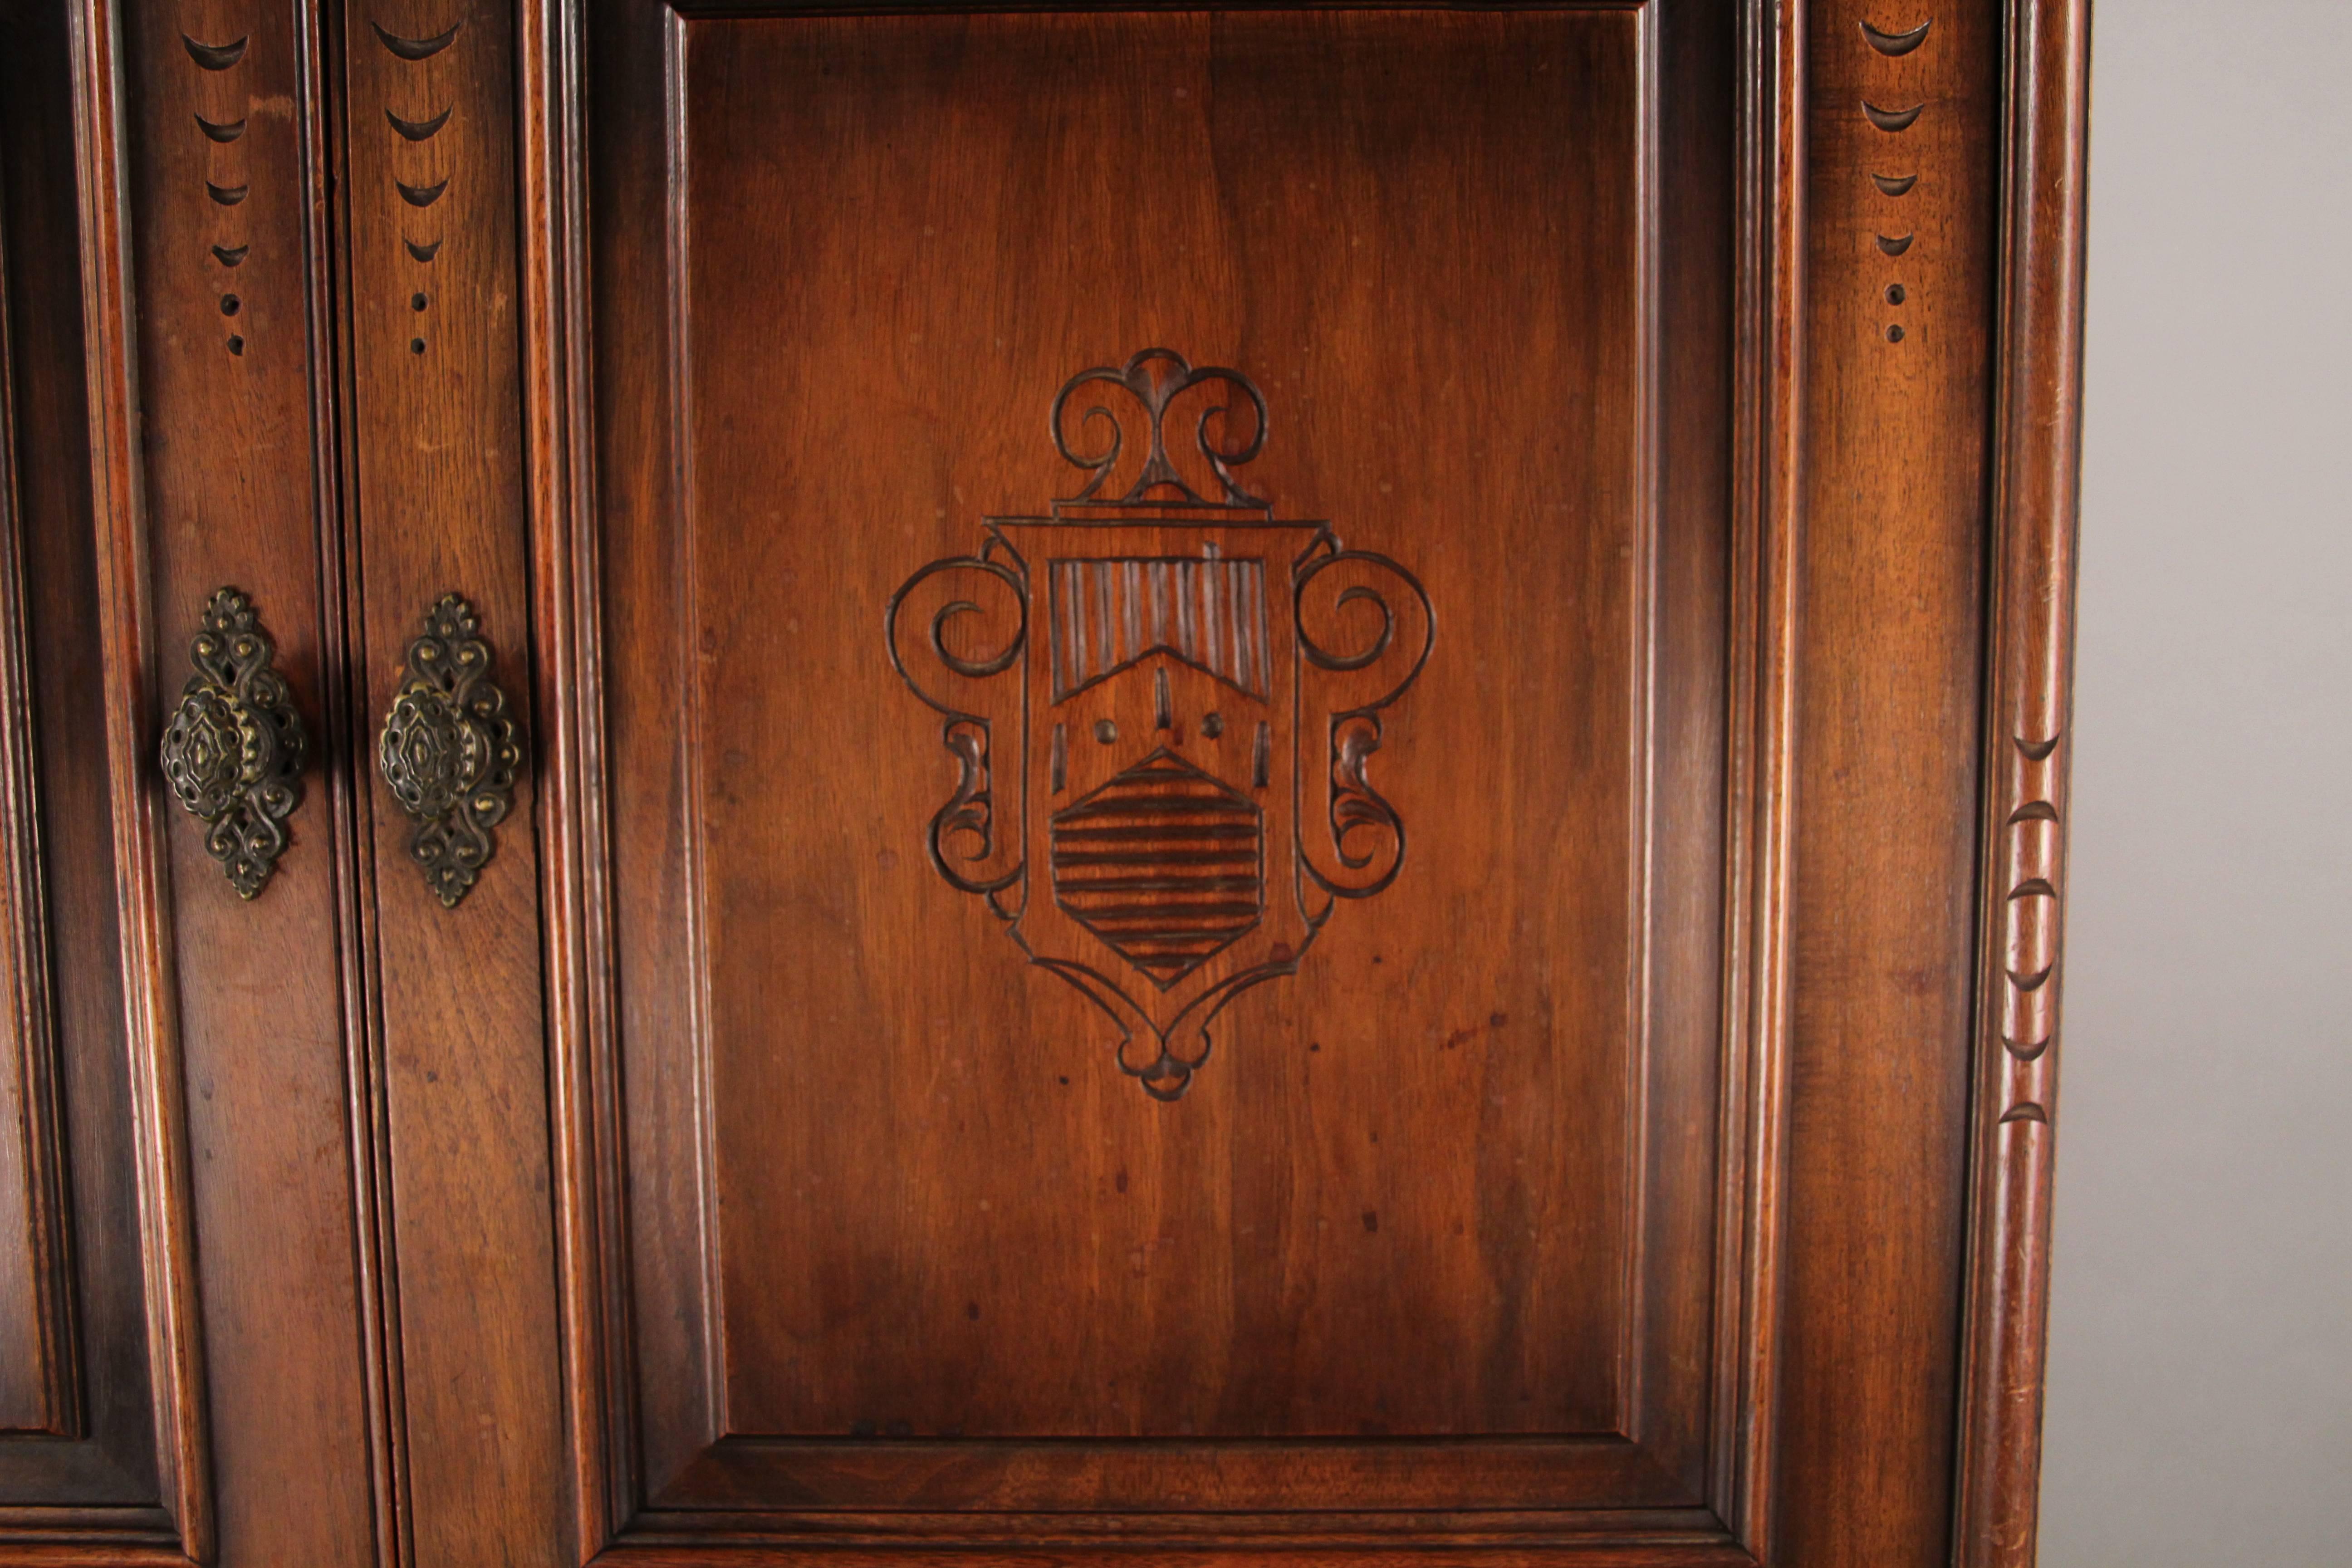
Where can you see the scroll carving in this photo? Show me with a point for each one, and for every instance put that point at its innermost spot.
(1199, 792)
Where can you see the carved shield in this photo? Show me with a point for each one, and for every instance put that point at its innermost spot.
(1163, 708)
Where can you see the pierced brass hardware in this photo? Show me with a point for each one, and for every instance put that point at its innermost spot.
(233, 751)
(450, 752)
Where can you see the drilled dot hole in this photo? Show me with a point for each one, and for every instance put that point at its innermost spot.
(1895, 295)
(231, 304)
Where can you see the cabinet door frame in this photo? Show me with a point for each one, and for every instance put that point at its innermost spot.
(2028, 628)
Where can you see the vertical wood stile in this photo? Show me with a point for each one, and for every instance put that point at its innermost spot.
(175, 1340)
(566, 607)
(2029, 665)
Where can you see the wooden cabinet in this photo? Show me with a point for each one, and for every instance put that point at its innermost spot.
(1016, 784)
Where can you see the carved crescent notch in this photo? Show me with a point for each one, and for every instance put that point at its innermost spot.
(1898, 43)
(414, 48)
(233, 751)
(216, 56)
(419, 129)
(1892, 119)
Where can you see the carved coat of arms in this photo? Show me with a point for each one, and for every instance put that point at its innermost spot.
(1163, 705)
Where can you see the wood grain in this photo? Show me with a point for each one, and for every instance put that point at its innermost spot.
(634, 320)
(1653, 1170)
(165, 1216)
(1889, 705)
(235, 472)
(435, 480)
(96, 1461)
(2028, 749)
(37, 1376)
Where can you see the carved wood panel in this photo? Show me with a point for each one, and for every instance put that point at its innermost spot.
(786, 835)
(1478, 586)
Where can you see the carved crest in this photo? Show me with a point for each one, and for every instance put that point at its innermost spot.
(1162, 708)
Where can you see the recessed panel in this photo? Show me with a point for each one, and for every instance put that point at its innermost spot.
(1166, 677)
(980, 1169)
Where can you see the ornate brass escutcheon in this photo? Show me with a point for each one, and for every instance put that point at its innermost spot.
(233, 751)
(450, 750)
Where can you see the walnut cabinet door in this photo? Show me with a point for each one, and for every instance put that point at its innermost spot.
(1032, 783)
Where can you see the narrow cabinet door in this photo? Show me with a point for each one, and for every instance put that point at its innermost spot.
(180, 1097)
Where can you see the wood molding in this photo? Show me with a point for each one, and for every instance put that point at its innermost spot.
(38, 1393)
(1769, 517)
(571, 610)
(321, 37)
(167, 1232)
(2030, 667)
(425, 228)
(575, 850)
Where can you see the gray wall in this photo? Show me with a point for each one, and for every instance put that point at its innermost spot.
(2200, 1355)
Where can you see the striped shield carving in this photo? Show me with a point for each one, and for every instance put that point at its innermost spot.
(1164, 863)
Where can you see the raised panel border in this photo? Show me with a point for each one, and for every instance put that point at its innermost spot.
(42, 1351)
(576, 870)
(1653, 1449)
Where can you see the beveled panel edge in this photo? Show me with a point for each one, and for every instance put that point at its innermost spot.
(575, 855)
(1767, 548)
(1636, 1538)
(741, 10)
(1629, 1545)
(141, 874)
(1091, 1486)
(574, 830)
(2029, 626)
(28, 1033)
(323, 42)
(90, 1538)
